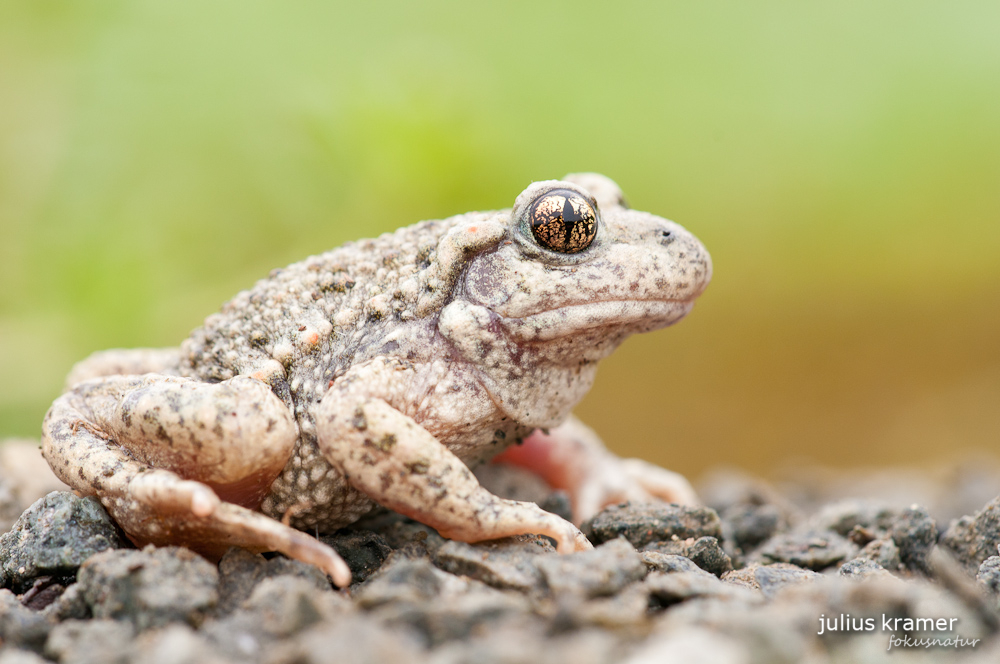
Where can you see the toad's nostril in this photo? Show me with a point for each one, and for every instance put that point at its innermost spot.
(666, 237)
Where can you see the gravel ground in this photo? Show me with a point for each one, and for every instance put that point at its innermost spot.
(873, 560)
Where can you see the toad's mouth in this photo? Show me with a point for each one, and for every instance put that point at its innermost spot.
(633, 315)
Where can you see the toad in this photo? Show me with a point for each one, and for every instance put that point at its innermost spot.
(378, 373)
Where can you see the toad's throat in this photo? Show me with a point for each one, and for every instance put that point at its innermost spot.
(632, 315)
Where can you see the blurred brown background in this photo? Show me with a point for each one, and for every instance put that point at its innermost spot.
(840, 161)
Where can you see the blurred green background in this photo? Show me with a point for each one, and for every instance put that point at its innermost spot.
(841, 161)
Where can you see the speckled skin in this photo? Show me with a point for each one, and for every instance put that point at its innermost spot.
(359, 376)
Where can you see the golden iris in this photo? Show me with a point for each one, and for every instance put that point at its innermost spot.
(562, 220)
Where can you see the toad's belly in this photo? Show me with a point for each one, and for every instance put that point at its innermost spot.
(313, 493)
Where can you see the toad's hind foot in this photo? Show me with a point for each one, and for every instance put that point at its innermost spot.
(168, 510)
(169, 459)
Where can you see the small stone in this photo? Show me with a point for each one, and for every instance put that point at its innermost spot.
(772, 578)
(69, 605)
(809, 549)
(456, 614)
(364, 551)
(675, 587)
(150, 588)
(176, 643)
(53, 537)
(11, 655)
(697, 645)
(284, 605)
(97, 641)
(559, 503)
(883, 552)
(656, 561)
(746, 525)
(628, 608)
(44, 591)
(506, 564)
(915, 533)
(743, 577)
(20, 626)
(975, 538)
(600, 572)
(988, 575)
(642, 523)
(282, 566)
(351, 639)
(403, 580)
(523, 641)
(705, 552)
(240, 571)
(842, 517)
(400, 532)
(860, 568)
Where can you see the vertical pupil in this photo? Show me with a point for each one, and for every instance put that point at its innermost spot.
(563, 222)
(570, 217)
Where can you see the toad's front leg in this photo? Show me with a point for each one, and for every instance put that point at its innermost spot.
(178, 461)
(400, 465)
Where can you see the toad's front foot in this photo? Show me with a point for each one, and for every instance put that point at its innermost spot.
(572, 457)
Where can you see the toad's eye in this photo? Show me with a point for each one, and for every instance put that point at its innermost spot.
(562, 220)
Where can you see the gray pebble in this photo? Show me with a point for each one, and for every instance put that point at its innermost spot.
(400, 532)
(352, 639)
(602, 571)
(559, 503)
(507, 563)
(675, 587)
(529, 642)
(455, 615)
(769, 579)
(364, 551)
(773, 578)
(691, 645)
(844, 516)
(12, 655)
(860, 568)
(403, 579)
(90, 642)
(988, 575)
(974, 538)
(53, 537)
(884, 552)
(914, 533)
(285, 605)
(810, 549)
(656, 561)
(642, 523)
(625, 610)
(176, 643)
(19, 625)
(705, 552)
(151, 587)
(240, 571)
(746, 526)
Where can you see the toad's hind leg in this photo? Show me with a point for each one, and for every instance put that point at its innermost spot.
(178, 461)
